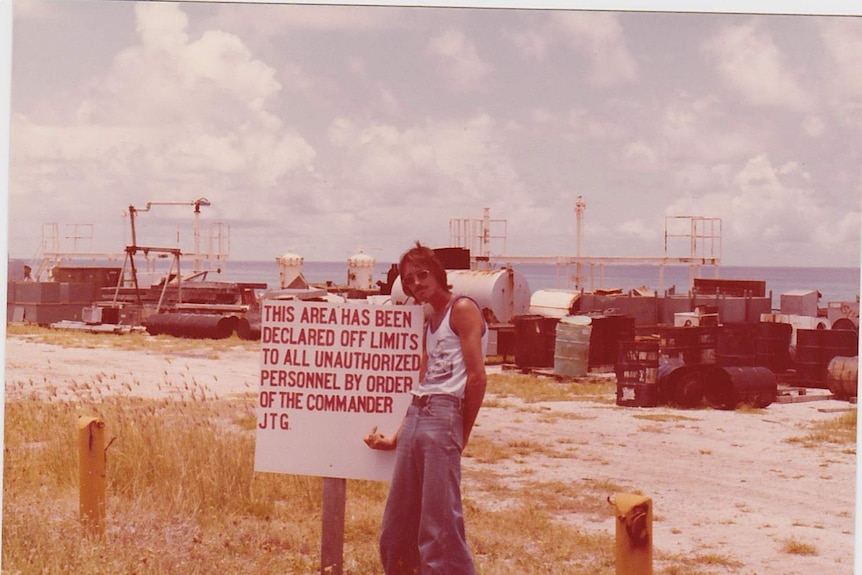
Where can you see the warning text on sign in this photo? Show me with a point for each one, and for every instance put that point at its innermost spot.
(342, 358)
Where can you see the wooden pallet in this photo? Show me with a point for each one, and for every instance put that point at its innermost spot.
(792, 394)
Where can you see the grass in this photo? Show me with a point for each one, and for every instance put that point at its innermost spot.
(535, 389)
(183, 497)
(797, 547)
(839, 431)
(135, 341)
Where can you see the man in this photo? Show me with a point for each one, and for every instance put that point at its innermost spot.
(423, 523)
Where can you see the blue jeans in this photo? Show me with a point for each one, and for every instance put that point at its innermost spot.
(423, 523)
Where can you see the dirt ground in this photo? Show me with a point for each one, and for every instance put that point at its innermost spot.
(723, 483)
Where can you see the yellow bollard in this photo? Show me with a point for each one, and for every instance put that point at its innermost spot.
(91, 474)
(633, 534)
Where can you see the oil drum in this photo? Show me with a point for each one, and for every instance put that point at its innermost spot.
(572, 346)
(843, 376)
(809, 358)
(534, 340)
(637, 373)
(192, 325)
(772, 349)
(731, 386)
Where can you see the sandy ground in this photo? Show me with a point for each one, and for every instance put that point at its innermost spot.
(726, 484)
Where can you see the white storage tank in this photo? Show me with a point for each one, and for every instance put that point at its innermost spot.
(289, 269)
(502, 294)
(360, 271)
(554, 302)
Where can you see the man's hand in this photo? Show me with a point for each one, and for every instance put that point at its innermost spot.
(376, 440)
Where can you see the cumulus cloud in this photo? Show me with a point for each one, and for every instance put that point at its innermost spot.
(532, 44)
(753, 66)
(776, 211)
(173, 118)
(842, 38)
(639, 155)
(599, 37)
(458, 161)
(458, 59)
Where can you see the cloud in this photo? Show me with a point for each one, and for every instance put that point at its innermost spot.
(637, 230)
(600, 38)
(753, 66)
(458, 59)
(639, 155)
(454, 161)
(774, 211)
(842, 39)
(531, 43)
(173, 118)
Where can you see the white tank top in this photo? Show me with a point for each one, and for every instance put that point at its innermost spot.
(445, 371)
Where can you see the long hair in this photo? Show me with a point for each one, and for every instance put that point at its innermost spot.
(422, 257)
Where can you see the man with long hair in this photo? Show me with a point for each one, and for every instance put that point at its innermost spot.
(423, 523)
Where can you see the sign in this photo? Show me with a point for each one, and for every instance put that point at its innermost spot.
(329, 374)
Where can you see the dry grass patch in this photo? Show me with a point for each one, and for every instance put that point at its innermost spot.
(134, 341)
(840, 430)
(797, 547)
(535, 389)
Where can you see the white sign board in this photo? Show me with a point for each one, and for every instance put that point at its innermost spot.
(329, 373)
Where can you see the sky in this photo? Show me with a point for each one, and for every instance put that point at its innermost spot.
(323, 130)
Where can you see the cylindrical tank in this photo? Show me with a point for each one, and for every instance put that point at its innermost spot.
(730, 386)
(809, 358)
(289, 268)
(554, 302)
(192, 325)
(501, 294)
(572, 346)
(607, 333)
(535, 337)
(842, 376)
(360, 271)
(637, 373)
(773, 346)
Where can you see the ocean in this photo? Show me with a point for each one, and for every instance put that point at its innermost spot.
(834, 284)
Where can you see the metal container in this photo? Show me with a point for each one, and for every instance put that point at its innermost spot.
(680, 343)
(572, 346)
(289, 269)
(842, 376)
(501, 294)
(731, 386)
(607, 333)
(534, 341)
(772, 348)
(809, 358)
(838, 342)
(680, 384)
(360, 271)
(734, 344)
(554, 302)
(192, 325)
(637, 373)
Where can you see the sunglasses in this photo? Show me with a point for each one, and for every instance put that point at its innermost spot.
(421, 276)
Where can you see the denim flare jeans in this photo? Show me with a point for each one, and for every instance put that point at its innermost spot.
(423, 523)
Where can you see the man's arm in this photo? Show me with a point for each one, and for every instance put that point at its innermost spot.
(468, 324)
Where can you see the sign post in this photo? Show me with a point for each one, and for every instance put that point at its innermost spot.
(332, 541)
(330, 372)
